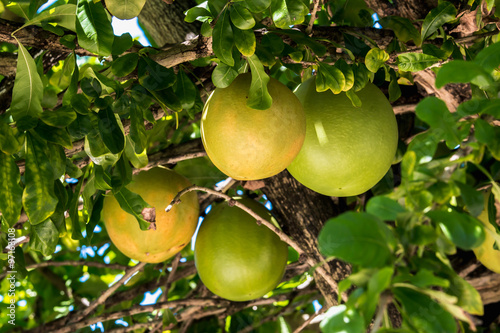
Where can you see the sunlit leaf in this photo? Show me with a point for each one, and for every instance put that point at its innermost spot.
(259, 97)
(125, 9)
(93, 27)
(10, 191)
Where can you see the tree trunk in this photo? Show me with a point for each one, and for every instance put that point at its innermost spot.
(165, 22)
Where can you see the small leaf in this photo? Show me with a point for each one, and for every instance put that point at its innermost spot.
(384, 208)
(93, 28)
(11, 192)
(355, 100)
(153, 76)
(445, 12)
(375, 58)
(241, 17)
(39, 200)
(340, 319)
(133, 204)
(258, 97)
(415, 62)
(61, 117)
(489, 57)
(27, 93)
(44, 237)
(10, 138)
(125, 9)
(459, 71)
(402, 27)
(416, 310)
(257, 6)
(137, 129)
(125, 65)
(346, 69)
(462, 229)
(286, 13)
(434, 111)
(138, 160)
(360, 76)
(334, 78)
(111, 132)
(245, 41)
(222, 39)
(76, 231)
(489, 135)
(394, 90)
(195, 13)
(358, 238)
(54, 134)
(223, 75)
(185, 90)
(63, 15)
(474, 200)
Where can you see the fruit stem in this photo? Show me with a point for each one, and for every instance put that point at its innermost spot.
(259, 220)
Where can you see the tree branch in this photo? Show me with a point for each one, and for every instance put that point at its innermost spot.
(284, 237)
(104, 296)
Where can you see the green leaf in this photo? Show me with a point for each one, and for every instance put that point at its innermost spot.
(358, 238)
(39, 200)
(63, 15)
(44, 237)
(286, 13)
(11, 192)
(489, 57)
(445, 12)
(54, 134)
(76, 231)
(95, 147)
(138, 160)
(196, 12)
(133, 204)
(384, 208)
(459, 71)
(334, 78)
(426, 278)
(340, 319)
(125, 65)
(27, 93)
(258, 97)
(93, 28)
(257, 6)
(111, 132)
(474, 200)
(489, 135)
(469, 298)
(185, 90)
(121, 43)
(348, 73)
(416, 311)
(245, 41)
(95, 217)
(153, 76)
(402, 27)
(125, 9)
(375, 58)
(61, 117)
(414, 62)
(462, 229)
(223, 75)
(434, 112)
(137, 129)
(355, 100)
(394, 90)
(10, 138)
(241, 17)
(91, 87)
(222, 39)
(360, 76)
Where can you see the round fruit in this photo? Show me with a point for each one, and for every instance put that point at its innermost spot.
(248, 144)
(347, 150)
(485, 253)
(236, 258)
(174, 229)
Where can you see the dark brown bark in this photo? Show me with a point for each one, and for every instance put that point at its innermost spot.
(302, 213)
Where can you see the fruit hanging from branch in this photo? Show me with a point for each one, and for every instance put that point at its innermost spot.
(173, 230)
(347, 149)
(236, 258)
(249, 144)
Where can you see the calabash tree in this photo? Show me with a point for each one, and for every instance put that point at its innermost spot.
(82, 110)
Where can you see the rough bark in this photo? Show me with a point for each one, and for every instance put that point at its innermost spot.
(165, 22)
(302, 213)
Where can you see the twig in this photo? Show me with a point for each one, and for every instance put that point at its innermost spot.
(309, 28)
(72, 263)
(133, 327)
(284, 237)
(101, 299)
(140, 309)
(384, 301)
(309, 320)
